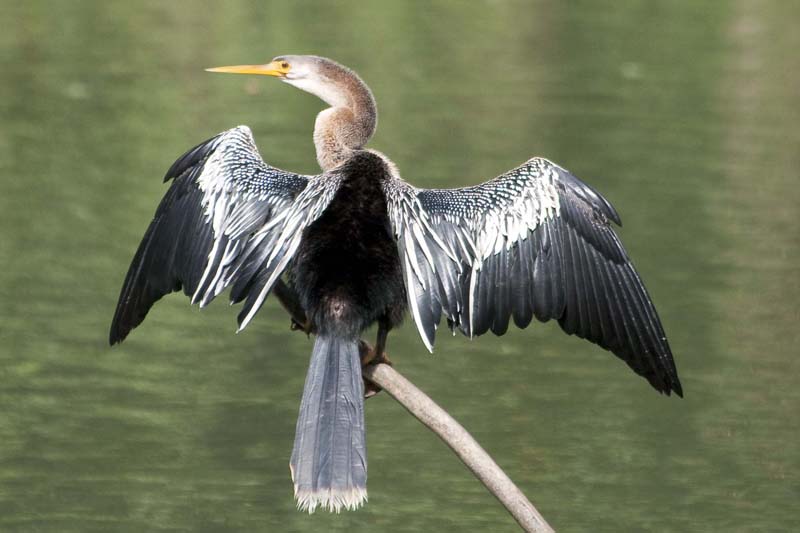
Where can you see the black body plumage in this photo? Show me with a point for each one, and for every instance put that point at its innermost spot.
(347, 270)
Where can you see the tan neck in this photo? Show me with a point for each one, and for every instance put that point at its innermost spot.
(349, 123)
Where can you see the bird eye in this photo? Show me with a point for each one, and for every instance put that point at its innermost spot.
(285, 65)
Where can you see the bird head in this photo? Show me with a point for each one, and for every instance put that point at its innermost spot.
(319, 76)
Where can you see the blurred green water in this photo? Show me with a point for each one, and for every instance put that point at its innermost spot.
(685, 115)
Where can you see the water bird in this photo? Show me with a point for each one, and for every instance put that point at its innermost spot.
(357, 245)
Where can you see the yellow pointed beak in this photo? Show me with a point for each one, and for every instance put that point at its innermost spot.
(276, 68)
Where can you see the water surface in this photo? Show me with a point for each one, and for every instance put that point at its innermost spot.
(685, 116)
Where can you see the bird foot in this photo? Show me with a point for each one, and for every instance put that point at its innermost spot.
(304, 327)
(370, 357)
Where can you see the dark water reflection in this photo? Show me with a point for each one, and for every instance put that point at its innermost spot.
(684, 115)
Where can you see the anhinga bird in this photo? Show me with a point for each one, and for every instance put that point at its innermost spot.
(358, 245)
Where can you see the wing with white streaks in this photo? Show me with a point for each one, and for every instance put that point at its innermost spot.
(228, 219)
(535, 241)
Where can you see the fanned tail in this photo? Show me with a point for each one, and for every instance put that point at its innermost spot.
(329, 459)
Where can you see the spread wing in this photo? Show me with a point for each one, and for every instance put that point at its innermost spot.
(535, 241)
(228, 219)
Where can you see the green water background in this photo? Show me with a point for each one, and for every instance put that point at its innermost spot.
(685, 114)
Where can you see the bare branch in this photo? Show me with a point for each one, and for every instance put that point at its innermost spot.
(461, 442)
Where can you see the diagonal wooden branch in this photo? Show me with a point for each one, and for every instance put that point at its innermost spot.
(440, 422)
(461, 442)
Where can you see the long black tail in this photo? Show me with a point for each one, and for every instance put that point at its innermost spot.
(329, 459)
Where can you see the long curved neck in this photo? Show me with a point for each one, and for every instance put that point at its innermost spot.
(350, 121)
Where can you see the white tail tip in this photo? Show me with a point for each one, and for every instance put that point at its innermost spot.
(333, 500)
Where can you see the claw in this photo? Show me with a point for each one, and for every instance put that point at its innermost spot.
(370, 389)
(297, 326)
